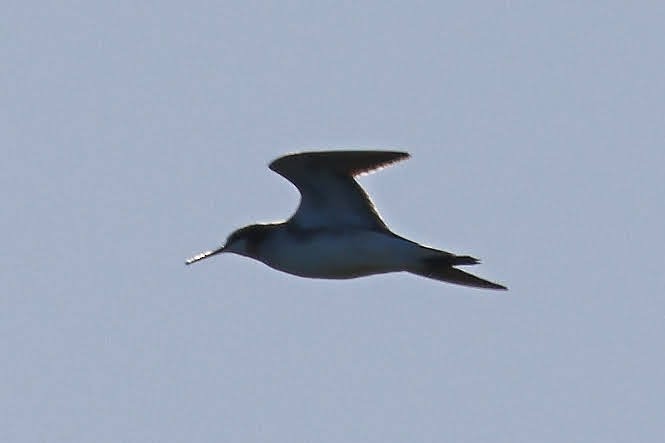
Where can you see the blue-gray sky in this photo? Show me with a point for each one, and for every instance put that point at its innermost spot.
(136, 134)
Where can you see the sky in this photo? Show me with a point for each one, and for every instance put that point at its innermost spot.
(136, 134)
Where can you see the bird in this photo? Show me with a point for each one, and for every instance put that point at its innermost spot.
(336, 231)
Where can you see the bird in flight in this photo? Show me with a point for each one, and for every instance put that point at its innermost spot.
(336, 232)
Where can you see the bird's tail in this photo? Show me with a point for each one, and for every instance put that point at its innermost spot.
(441, 268)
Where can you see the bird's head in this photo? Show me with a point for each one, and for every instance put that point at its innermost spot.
(244, 241)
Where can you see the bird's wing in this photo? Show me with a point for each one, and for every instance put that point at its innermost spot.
(330, 197)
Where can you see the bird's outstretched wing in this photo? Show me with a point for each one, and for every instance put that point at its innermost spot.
(330, 196)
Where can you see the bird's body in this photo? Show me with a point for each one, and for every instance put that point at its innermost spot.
(336, 233)
(336, 254)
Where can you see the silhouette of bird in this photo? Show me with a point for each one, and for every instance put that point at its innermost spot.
(336, 232)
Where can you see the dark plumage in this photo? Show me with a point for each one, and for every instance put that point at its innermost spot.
(336, 232)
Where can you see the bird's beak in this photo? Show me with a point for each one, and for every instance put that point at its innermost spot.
(203, 255)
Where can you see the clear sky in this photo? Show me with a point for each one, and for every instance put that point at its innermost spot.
(135, 134)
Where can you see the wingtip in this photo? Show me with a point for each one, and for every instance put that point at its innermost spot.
(353, 162)
(450, 274)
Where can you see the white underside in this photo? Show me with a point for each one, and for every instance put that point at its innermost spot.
(339, 255)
